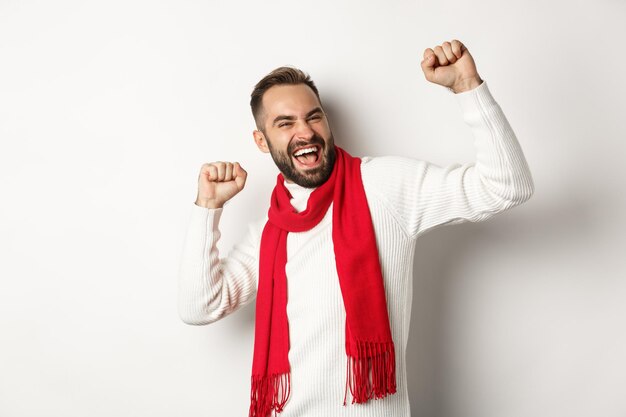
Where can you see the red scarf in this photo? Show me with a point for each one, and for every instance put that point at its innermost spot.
(371, 369)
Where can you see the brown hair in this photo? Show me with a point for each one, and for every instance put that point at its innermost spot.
(279, 76)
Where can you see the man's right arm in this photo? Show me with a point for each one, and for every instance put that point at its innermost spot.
(210, 288)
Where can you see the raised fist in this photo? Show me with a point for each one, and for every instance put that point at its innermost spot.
(451, 65)
(218, 182)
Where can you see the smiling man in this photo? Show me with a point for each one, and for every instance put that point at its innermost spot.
(331, 265)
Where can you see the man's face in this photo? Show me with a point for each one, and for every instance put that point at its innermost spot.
(295, 121)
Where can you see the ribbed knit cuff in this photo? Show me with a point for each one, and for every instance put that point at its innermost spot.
(205, 218)
(474, 102)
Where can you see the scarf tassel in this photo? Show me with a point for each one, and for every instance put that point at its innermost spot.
(269, 392)
(375, 360)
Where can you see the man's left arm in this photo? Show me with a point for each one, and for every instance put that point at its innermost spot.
(423, 195)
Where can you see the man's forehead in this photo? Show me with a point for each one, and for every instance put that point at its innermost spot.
(283, 99)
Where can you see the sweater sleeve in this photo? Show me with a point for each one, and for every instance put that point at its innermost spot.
(210, 287)
(422, 195)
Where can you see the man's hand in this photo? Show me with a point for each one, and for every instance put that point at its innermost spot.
(218, 182)
(451, 66)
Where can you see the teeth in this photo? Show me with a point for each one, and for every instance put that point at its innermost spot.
(305, 150)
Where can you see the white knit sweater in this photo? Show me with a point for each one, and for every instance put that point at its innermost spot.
(406, 197)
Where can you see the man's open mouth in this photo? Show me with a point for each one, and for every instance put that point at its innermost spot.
(308, 156)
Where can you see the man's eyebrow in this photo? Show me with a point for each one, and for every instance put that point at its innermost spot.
(285, 117)
(315, 110)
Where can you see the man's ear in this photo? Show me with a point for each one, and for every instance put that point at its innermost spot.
(261, 142)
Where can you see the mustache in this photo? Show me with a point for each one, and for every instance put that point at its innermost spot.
(315, 140)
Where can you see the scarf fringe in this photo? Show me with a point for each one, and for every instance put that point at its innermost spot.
(372, 373)
(269, 393)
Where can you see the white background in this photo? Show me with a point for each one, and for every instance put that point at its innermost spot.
(108, 110)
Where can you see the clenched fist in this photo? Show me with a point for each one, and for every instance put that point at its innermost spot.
(452, 66)
(219, 182)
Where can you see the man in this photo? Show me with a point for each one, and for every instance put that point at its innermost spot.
(331, 263)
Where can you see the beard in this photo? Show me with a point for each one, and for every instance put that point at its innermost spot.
(310, 178)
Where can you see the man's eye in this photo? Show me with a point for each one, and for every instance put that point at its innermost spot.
(317, 117)
(284, 124)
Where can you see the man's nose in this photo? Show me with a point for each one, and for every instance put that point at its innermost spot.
(303, 129)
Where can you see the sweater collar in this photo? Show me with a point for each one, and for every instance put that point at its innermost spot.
(300, 195)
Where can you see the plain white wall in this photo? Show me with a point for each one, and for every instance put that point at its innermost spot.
(108, 109)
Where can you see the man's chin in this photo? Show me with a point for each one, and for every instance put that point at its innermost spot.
(308, 179)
